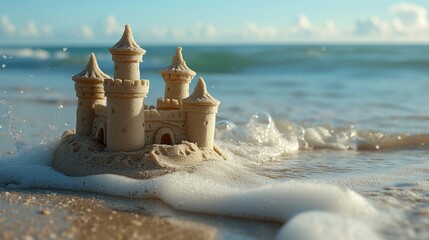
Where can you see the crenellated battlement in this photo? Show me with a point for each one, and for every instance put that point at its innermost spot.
(168, 104)
(177, 77)
(126, 88)
(157, 115)
(89, 90)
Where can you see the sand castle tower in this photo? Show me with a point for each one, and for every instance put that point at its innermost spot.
(90, 91)
(125, 96)
(177, 77)
(201, 109)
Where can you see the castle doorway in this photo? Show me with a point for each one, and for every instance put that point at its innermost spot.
(165, 136)
(100, 136)
(166, 139)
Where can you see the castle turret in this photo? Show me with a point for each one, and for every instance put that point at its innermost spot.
(125, 97)
(90, 92)
(127, 55)
(177, 77)
(201, 109)
(125, 114)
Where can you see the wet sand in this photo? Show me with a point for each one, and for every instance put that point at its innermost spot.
(54, 214)
(50, 215)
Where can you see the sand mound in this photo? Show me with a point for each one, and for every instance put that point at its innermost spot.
(81, 156)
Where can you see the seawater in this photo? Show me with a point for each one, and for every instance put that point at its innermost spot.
(329, 140)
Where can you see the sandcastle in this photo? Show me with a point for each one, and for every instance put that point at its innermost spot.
(117, 133)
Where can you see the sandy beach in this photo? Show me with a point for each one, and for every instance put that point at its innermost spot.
(41, 214)
(48, 214)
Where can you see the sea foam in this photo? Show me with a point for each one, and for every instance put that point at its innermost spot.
(215, 187)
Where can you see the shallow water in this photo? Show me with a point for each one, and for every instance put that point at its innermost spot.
(332, 135)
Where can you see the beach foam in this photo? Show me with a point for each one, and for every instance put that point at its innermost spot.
(215, 187)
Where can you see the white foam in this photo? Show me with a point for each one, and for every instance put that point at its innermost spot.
(216, 187)
(322, 225)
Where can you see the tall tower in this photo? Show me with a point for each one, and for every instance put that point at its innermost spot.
(201, 109)
(127, 56)
(90, 91)
(177, 77)
(125, 96)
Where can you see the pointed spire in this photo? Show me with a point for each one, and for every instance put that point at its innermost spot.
(92, 71)
(201, 95)
(178, 65)
(127, 44)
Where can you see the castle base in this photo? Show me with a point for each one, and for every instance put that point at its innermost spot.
(81, 156)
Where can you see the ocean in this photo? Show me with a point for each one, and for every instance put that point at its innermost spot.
(329, 140)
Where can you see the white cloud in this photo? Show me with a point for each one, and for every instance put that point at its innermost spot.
(200, 31)
(30, 30)
(252, 30)
(86, 31)
(330, 28)
(203, 30)
(301, 27)
(371, 26)
(8, 27)
(111, 26)
(410, 17)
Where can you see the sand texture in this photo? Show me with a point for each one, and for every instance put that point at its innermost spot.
(54, 215)
(81, 156)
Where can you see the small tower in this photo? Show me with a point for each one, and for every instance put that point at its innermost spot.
(201, 109)
(125, 97)
(177, 77)
(90, 92)
(127, 56)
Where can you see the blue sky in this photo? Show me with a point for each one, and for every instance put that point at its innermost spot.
(179, 22)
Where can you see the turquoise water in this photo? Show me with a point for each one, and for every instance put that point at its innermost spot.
(348, 116)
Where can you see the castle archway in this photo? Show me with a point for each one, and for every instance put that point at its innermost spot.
(165, 136)
(101, 135)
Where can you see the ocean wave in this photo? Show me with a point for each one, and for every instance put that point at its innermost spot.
(38, 54)
(264, 138)
(241, 59)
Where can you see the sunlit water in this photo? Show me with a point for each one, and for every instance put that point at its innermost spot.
(328, 140)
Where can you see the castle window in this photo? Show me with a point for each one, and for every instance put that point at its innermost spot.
(113, 110)
(143, 124)
(150, 127)
(80, 104)
(206, 123)
(168, 89)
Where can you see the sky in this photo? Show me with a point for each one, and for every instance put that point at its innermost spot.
(78, 22)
